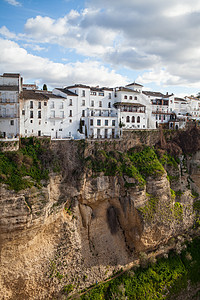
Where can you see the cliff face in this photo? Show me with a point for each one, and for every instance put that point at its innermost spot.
(81, 227)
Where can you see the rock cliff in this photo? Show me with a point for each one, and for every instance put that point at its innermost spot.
(84, 223)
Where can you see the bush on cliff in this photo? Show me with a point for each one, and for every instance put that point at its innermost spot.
(27, 166)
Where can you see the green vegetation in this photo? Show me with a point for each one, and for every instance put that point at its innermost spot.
(137, 163)
(149, 209)
(29, 165)
(178, 211)
(162, 280)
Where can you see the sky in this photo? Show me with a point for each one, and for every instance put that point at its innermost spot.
(108, 43)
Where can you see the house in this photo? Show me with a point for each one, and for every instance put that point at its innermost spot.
(10, 88)
(162, 106)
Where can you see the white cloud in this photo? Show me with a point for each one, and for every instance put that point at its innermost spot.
(161, 38)
(13, 2)
(16, 59)
(34, 47)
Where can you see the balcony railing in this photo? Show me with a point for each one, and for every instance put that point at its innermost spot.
(3, 116)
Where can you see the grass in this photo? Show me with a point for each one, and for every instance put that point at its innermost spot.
(137, 163)
(29, 165)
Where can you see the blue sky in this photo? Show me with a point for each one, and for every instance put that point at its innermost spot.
(107, 43)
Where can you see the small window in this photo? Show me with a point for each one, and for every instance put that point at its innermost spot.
(70, 121)
(83, 102)
(113, 122)
(127, 119)
(138, 119)
(70, 102)
(23, 112)
(39, 105)
(130, 97)
(100, 103)
(70, 113)
(133, 119)
(45, 103)
(135, 98)
(91, 122)
(83, 93)
(52, 104)
(106, 122)
(109, 104)
(31, 114)
(39, 114)
(31, 104)
(125, 97)
(60, 129)
(31, 121)
(12, 122)
(98, 122)
(109, 96)
(39, 132)
(83, 113)
(92, 103)
(101, 94)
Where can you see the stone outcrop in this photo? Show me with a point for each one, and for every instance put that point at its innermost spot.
(80, 228)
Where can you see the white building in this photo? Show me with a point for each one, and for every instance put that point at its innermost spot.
(10, 88)
(162, 106)
(33, 113)
(133, 108)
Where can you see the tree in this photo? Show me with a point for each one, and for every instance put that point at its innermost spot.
(44, 87)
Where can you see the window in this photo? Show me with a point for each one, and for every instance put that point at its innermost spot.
(93, 93)
(31, 104)
(60, 129)
(31, 114)
(39, 122)
(31, 121)
(83, 102)
(91, 122)
(101, 94)
(135, 98)
(92, 103)
(109, 96)
(106, 122)
(133, 119)
(127, 119)
(62, 114)
(109, 104)
(12, 122)
(83, 93)
(39, 114)
(138, 119)
(70, 113)
(113, 122)
(125, 97)
(70, 121)
(45, 103)
(83, 113)
(52, 104)
(70, 102)
(39, 105)
(130, 97)
(39, 132)
(92, 113)
(98, 122)
(61, 105)
(23, 112)
(100, 103)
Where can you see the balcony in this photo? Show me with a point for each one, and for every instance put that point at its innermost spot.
(13, 116)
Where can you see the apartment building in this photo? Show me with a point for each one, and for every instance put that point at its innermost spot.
(10, 88)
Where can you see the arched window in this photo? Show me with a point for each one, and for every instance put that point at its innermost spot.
(138, 119)
(133, 119)
(125, 97)
(135, 98)
(127, 119)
